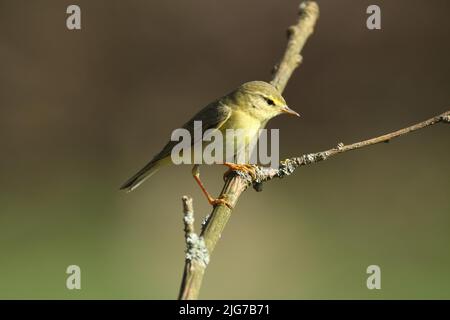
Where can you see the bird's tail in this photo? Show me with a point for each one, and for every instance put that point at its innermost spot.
(143, 174)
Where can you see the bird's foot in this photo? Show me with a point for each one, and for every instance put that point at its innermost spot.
(219, 201)
(247, 168)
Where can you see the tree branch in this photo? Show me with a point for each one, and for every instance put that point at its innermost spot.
(288, 166)
(297, 36)
(199, 248)
(235, 185)
(197, 256)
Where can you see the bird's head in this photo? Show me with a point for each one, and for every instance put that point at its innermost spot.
(261, 100)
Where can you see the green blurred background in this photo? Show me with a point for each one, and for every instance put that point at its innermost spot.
(80, 111)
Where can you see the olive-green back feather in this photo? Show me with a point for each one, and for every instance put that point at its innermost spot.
(211, 116)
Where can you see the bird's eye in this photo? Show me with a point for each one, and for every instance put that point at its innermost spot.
(269, 101)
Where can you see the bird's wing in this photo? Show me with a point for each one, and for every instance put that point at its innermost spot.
(212, 116)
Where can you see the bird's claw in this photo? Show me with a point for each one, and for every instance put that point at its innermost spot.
(219, 201)
(247, 168)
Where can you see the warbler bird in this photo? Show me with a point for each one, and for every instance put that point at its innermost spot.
(249, 107)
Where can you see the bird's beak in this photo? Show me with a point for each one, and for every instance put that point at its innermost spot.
(288, 110)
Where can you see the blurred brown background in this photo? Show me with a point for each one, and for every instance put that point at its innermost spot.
(80, 111)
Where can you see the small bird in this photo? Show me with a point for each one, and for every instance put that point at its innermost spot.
(248, 107)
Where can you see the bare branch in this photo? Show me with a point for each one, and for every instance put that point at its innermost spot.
(297, 36)
(234, 186)
(197, 257)
(288, 166)
(188, 211)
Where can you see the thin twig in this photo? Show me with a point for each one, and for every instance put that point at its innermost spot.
(297, 36)
(197, 256)
(288, 166)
